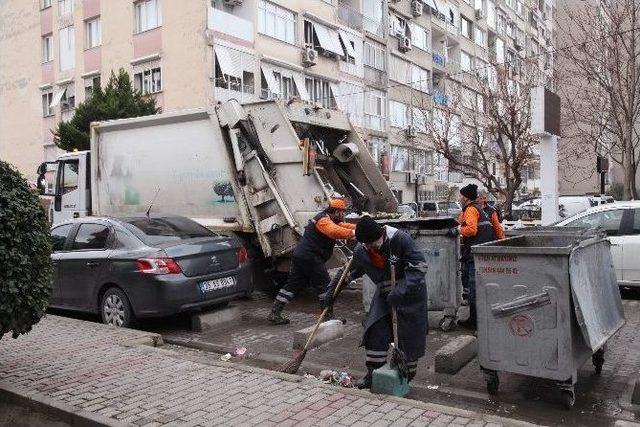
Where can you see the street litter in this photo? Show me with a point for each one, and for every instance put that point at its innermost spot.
(433, 387)
(241, 351)
(225, 357)
(328, 376)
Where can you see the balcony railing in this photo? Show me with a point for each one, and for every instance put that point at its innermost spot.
(375, 77)
(439, 59)
(373, 26)
(349, 17)
(440, 98)
(230, 24)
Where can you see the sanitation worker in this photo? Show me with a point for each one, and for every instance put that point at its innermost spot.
(378, 248)
(493, 215)
(475, 228)
(309, 258)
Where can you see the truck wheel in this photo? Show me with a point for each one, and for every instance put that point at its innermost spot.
(568, 399)
(115, 309)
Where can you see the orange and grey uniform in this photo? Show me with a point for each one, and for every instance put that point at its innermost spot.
(311, 254)
(475, 229)
(494, 217)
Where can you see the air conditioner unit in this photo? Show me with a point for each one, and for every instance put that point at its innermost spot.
(416, 7)
(404, 44)
(479, 14)
(309, 57)
(411, 177)
(232, 3)
(411, 132)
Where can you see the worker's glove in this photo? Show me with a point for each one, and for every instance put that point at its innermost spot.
(395, 297)
(453, 232)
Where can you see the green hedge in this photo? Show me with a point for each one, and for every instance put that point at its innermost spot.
(25, 255)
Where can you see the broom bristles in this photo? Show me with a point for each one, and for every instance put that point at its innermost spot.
(292, 366)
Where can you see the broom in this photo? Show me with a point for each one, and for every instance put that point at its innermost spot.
(292, 366)
(398, 358)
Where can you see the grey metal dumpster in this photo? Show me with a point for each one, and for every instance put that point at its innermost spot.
(550, 229)
(546, 303)
(441, 252)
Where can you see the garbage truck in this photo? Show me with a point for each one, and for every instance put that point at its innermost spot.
(260, 170)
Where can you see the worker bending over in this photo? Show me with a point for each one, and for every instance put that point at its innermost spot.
(378, 248)
(309, 258)
(475, 228)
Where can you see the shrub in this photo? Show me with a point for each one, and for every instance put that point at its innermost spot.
(25, 255)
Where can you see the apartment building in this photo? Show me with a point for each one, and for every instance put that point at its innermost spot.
(389, 64)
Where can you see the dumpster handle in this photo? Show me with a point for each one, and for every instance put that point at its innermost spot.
(521, 303)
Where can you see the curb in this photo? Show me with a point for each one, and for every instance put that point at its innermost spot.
(70, 414)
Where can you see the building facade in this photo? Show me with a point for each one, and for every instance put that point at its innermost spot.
(389, 64)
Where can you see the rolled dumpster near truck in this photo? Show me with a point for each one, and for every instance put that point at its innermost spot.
(546, 303)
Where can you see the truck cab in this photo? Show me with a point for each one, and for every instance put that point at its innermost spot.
(67, 182)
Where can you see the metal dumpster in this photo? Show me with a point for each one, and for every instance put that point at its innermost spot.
(550, 229)
(546, 303)
(441, 252)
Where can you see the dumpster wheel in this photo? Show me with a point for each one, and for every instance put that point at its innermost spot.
(447, 323)
(493, 382)
(568, 398)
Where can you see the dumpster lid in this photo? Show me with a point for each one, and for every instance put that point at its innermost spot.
(595, 293)
(443, 223)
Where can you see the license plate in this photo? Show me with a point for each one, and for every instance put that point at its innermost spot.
(217, 284)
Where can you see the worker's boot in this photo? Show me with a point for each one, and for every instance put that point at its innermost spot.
(471, 322)
(366, 381)
(276, 316)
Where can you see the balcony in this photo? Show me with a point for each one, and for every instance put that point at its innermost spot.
(440, 98)
(375, 77)
(372, 26)
(235, 91)
(230, 24)
(439, 59)
(349, 16)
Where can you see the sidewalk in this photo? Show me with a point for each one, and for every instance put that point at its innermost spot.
(111, 376)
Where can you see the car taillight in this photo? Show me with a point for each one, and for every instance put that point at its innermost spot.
(158, 266)
(242, 255)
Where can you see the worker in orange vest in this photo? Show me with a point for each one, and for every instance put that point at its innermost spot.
(493, 215)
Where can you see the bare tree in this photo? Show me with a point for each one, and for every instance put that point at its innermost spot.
(599, 83)
(485, 133)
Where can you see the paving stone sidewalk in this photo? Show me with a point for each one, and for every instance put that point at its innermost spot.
(112, 373)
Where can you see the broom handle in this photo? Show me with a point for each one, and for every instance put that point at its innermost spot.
(347, 267)
(394, 313)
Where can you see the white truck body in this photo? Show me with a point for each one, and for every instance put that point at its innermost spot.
(237, 168)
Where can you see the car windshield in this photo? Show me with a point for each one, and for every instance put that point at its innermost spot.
(530, 214)
(158, 231)
(448, 205)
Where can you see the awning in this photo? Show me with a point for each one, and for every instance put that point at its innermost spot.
(227, 66)
(341, 99)
(440, 6)
(272, 84)
(429, 3)
(346, 40)
(302, 88)
(57, 98)
(328, 39)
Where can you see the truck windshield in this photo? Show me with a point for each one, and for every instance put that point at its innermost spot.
(158, 231)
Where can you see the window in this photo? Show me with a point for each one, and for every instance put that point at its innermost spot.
(420, 78)
(45, 4)
(147, 15)
(375, 110)
(159, 231)
(480, 102)
(47, 99)
(479, 36)
(90, 84)
(64, 6)
(397, 114)
(92, 33)
(148, 79)
(468, 98)
(59, 236)
(234, 70)
(377, 147)
(348, 46)
(320, 91)
(465, 61)
(323, 39)
(374, 55)
(69, 176)
(607, 220)
(419, 37)
(67, 48)
(466, 27)
(91, 237)
(479, 4)
(636, 221)
(47, 48)
(419, 119)
(399, 159)
(277, 22)
(68, 100)
(279, 84)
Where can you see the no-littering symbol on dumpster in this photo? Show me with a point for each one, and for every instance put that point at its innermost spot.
(521, 325)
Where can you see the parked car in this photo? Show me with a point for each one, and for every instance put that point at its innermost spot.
(440, 209)
(135, 267)
(621, 222)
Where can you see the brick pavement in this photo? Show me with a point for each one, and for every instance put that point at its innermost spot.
(107, 371)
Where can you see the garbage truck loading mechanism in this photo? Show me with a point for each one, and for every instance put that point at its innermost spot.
(263, 168)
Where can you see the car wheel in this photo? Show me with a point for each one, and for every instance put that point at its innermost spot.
(115, 308)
